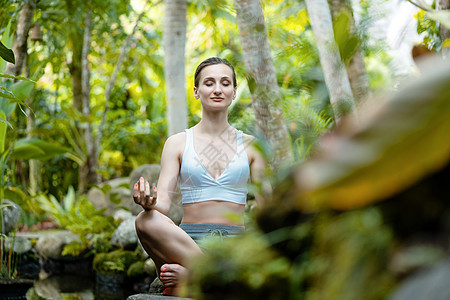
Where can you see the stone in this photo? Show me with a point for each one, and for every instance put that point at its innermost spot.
(141, 250)
(150, 267)
(122, 215)
(156, 286)
(20, 245)
(97, 198)
(151, 173)
(114, 196)
(125, 235)
(51, 246)
(154, 297)
(429, 283)
(52, 287)
(11, 213)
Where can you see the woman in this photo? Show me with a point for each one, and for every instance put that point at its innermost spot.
(214, 162)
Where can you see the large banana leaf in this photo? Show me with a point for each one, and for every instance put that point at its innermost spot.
(405, 139)
(31, 148)
(6, 41)
(6, 54)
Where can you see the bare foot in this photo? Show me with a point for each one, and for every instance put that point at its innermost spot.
(172, 274)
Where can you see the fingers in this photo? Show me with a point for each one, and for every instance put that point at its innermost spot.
(142, 194)
(154, 192)
(147, 190)
(135, 191)
(142, 188)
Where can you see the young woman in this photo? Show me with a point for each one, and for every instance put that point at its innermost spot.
(214, 162)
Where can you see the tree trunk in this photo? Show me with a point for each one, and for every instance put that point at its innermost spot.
(356, 69)
(20, 44)
(75, 70)
(262, 81)
(336, 79)
(35, 166)
(20, 49)
(174, 41)
(444, 31)
(88, 172)
(75, 38)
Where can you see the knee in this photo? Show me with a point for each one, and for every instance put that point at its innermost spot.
(141, 222)
(147, 223)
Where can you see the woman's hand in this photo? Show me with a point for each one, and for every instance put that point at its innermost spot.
(141, 194)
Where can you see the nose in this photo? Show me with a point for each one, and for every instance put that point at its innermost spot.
(217, 89)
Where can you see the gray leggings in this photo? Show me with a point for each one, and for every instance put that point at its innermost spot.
(199, 231)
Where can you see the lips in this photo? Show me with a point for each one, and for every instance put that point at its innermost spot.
(217, 99)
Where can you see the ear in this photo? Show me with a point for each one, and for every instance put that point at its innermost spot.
(234, 94)
(196, 95)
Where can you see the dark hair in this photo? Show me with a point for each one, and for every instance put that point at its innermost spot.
(212, 61)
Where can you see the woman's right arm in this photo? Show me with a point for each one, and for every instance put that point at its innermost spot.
(167, 182)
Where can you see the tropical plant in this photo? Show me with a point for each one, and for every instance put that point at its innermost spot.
(78, 215)
(8, 259)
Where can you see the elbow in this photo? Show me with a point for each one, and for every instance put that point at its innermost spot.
(163, 207)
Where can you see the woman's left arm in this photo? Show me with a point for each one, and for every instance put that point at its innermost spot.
(257, 170)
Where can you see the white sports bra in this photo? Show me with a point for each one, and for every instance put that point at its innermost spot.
(197, 185)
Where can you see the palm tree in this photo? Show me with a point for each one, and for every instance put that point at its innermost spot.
(356, 69)
(174, 41)
(262, 81)
(336, 79)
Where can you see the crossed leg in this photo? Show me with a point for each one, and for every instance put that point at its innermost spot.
(170, 247)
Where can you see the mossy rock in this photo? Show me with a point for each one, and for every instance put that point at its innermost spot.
(136, 269)
(117, 261)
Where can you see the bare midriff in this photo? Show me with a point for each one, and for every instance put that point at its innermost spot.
(214, 212)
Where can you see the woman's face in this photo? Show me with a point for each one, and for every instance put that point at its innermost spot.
(215, 88)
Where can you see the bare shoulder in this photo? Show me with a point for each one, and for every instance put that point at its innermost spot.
(175, 143)
(248, 139)
(176, 138)
(249, 142)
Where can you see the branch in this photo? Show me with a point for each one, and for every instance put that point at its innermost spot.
(422, 5)
(113, 78)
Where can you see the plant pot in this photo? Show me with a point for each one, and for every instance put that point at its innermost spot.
(13, 289)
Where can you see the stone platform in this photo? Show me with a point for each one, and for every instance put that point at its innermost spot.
(155, 297)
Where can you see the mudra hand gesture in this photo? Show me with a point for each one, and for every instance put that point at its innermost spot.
(141, 194)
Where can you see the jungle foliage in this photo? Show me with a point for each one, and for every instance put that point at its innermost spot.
(332, 230)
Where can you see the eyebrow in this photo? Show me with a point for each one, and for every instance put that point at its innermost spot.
(224, 77)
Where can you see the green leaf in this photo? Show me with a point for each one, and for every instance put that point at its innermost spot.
(27, 152)
(69, 200)
(106, 188)
(16, 77)
(14, 194)
(7, 40)
(2, 132)
(114, 198)
(7, 54)
(346, 41)
(6, 122)
(22, 90)
(7, 94)
(36, 149)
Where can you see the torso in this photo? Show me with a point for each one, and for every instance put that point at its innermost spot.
(213, 211)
